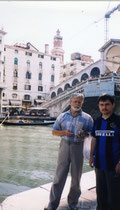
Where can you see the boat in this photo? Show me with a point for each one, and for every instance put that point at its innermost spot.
(34, 116)
(27, 122)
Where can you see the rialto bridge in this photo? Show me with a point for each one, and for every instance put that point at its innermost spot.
(91, 88)
(101, 76)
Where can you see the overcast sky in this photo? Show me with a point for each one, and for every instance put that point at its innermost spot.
(82, 24)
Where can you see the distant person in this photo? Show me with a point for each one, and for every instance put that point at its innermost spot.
(72, 126)
(105, 155)
(21, 121)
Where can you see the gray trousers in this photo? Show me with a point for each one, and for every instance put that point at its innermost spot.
(108, 190)
(70, 154)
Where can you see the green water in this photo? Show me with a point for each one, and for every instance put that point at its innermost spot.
(28, 158)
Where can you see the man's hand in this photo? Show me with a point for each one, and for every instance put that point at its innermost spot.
(117, 168)
(68, 133)
(91, 161)
(82, 134)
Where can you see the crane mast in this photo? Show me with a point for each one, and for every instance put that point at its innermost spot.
(107, 16)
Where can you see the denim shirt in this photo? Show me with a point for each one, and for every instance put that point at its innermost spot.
(66, 121)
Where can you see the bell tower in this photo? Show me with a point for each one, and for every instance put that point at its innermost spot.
(57, 46)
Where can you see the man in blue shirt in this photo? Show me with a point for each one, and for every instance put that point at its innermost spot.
(72, 126)
(105, 155)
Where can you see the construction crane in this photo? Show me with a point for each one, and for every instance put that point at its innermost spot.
(107, 16)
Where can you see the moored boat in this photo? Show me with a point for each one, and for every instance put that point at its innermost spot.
(27, 122)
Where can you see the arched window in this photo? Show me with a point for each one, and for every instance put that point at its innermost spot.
(28, 75)
(75, 81)
(95, 72)
(14, 95)
(53, 94)
(67, 86)
(40, 65)
(59, 91)
(84, 77)
(52, 78)
(15, 73)
(40, 76)
(16, 61)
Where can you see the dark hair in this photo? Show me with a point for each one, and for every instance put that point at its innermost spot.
(105, 97)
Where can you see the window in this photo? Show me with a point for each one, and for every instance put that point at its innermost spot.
(40, 56)
(39, 97)
(40, 65)
(40, 88)
(64, 75)
(15, 61)
(52, 78)
(28, 53)
(40, 76)
(28, 75)
(53, 67)
(27, 87)
(0, 39)
(71, 73)
(16, 51)
(26, 97)
(15, 73)
(14, 95)
(28, 65)
(53, 58)
(14, 86)
(82, 64)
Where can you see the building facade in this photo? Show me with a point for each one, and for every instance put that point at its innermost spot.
(28, 75)
(78, 63)
(2, 34)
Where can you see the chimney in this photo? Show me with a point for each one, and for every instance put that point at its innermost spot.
(46, 49)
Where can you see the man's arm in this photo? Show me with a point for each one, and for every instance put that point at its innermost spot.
(93, 145)
(62, 133)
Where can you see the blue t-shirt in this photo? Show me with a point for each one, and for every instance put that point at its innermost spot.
(107, 134)
(66, 121)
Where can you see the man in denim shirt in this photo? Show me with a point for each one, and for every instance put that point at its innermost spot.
(72, 126)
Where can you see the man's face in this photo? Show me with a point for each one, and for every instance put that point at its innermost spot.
(76, 103)
(106, 107)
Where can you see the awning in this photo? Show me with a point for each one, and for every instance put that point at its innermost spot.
(12, 106)
(15, 103)
(38, 108)
(39, 100)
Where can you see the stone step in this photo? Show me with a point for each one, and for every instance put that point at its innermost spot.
(38, 198)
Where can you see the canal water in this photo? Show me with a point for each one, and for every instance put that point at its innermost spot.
(28, 157)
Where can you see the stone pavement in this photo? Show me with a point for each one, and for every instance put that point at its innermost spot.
(38, 198)
(87, 201)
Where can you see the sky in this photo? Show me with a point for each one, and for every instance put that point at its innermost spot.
(81, 23)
